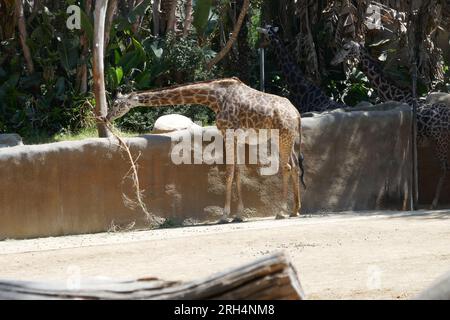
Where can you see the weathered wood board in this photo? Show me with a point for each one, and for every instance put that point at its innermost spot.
(272, 277)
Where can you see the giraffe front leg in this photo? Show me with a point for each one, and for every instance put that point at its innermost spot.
(229, 184)
(285, 147)
(240, 210)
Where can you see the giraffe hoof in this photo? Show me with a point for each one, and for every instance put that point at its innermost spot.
(280, 217)
(224, 221)
(238, 219)
(294, 215)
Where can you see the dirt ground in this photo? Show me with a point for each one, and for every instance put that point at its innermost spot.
(347, 256)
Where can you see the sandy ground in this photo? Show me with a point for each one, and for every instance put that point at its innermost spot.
(347, 256)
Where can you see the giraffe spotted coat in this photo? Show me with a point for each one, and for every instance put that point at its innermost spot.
(237, 106)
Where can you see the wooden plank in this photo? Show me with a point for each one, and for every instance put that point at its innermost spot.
(272, 277)
(439, 290)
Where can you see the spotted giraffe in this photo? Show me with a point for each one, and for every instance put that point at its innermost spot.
(306, 96)
(236, 106)
(433, 120)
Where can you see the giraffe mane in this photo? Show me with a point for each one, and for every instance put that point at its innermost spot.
(223, 80)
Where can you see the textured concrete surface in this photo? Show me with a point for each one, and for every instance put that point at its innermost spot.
(353, 160)
(429, 174)
(372, 255)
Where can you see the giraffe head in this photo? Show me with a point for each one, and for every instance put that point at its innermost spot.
(269, 32)
(351, 50)
(121, 105)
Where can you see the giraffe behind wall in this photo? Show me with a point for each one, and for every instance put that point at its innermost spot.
(433, 120)
(306, 96)
(386, 90)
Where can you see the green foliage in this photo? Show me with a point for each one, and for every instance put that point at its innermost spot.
(202, 12)
(255, 22)
(351, 90)
(145, 64)
(47, 102)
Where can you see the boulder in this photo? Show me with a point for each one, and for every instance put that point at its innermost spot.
(171, 123)
(10, 140)
(438, 97)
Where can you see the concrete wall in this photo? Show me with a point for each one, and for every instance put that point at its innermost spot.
(354, 161)
(359, 160)
(429, 174)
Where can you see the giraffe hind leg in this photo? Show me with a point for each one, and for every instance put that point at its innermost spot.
(240, 210)
(285, 159)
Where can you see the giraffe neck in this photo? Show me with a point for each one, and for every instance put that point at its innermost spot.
(378, 80)
(307, 97)
(208, 93)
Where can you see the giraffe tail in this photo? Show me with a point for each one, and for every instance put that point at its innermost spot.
(302, 169)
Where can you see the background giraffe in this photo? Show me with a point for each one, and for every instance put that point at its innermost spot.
(306, 96)
(433, 120)
(236, 106)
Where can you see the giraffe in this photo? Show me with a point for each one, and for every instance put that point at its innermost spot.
(433, 120)
(236, 106)
(306, 96)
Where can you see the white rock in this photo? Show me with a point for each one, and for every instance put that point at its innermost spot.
(172, 122)
(438, 97)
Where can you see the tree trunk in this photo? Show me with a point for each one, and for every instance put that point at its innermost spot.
(112, 8)
(23, 36)
(8, 19)
(156, 15)
(244, 50)
(82, 72)
(101, 107)
(233, 37)
(172, 18)
(131, 5)
(34, 12)
(168, 18)
(188, 18)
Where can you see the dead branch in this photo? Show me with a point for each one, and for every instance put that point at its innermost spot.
(101, 106)
(233, 37)
(112, 7)
(82, 70)
(133, 175)
(188, 18)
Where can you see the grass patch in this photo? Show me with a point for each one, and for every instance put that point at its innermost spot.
(87, 133)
